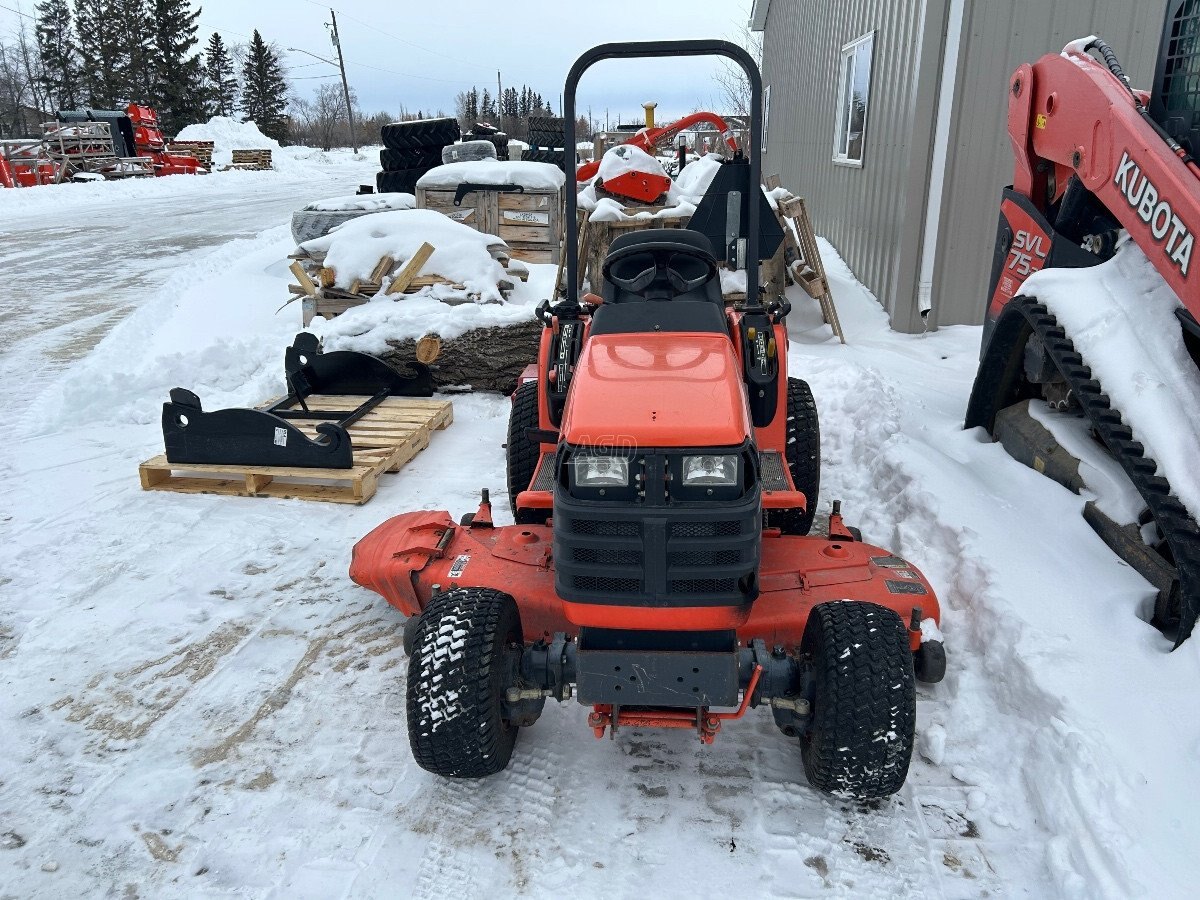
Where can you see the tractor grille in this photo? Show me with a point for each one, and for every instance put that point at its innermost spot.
(704, 586)
(689, 559)
(605, 528)
(607, 585)
(771, 472)
(544, 479)
(607, 557)
(705, 529)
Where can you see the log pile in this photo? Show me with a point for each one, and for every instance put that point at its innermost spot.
(317, 283)
(485, 359)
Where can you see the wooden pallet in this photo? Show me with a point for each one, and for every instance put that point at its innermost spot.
(384, 440)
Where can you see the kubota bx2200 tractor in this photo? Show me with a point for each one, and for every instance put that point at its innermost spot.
(663, 470)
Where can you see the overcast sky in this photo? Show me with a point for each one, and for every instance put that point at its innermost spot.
(420, 53)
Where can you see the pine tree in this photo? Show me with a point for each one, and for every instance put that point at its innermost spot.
(138, 74)
(264, 89)
(178, 72)
(523, 105)
(487, 112)
(221, 86)
(472, 107)
(100, 54)
(60, 56)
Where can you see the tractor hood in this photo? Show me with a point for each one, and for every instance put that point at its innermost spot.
(657, 390)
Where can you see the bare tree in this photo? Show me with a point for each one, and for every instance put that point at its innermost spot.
(732, 83)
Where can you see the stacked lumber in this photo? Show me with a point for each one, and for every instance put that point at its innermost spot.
(201, 151)
(317, 283)
(252, 160)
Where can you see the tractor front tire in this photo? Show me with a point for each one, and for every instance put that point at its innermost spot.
(803, 455)
(523, 454)
(864, 700)
(458, 674)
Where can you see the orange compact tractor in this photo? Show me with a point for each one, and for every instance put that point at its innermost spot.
(663, 472)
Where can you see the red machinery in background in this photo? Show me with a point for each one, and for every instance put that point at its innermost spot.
(645, 186)
(148, 141)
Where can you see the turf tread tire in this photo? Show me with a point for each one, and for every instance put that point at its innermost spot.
(803, 455)
(309, 224)
(523, 454)
(456, 683)
(864, 700)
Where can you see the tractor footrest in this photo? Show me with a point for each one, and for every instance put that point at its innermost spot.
(657, 678)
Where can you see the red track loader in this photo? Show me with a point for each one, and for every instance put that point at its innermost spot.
(663, 472)
(1093, 157)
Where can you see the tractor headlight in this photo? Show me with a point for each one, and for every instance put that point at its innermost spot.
(710, 470)
(601, 471)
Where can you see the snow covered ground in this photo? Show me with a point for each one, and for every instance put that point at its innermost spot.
(198, 702)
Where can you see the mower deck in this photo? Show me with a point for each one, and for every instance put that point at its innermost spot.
(410, 557)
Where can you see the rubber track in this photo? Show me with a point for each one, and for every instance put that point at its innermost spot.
(995, 387)
(865, 704)
(455, 727)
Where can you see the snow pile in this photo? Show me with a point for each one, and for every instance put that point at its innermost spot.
(697, 175)
(354, 249)
(228, 135)
(1121, 317)
(365, 202)
(529, 175)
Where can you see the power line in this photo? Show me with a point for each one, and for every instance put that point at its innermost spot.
(396, 37)
(19, 13)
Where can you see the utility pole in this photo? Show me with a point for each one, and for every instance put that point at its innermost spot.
(345, 84)
(499, 102)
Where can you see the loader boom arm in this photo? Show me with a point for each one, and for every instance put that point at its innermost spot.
(649, 139)
(1070, 115)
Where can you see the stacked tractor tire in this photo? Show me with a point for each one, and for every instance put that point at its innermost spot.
(494, 136)
(410, 149)
(545, 141)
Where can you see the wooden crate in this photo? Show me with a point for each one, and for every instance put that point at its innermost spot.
(530, 222)
(384, 440)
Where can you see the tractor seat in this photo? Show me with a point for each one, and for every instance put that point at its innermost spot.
(662, 279)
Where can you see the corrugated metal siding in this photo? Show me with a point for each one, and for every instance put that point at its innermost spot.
(998, 37)
(873, 215)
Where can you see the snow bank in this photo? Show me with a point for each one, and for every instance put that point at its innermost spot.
(460, 253)
(367, 202)
(228, 135)
(1121, 317)
(529, 175)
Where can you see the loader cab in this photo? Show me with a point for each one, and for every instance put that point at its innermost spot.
(1175, 98)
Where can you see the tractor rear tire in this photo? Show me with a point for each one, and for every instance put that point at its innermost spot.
(402, 182)
(435, 133)
(458, 674)
(546, 132)
(523, 454)
(399, 160)
(803, 453)
(553, 157)
(864, 700)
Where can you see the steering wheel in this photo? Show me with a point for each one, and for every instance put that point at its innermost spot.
(636, 272)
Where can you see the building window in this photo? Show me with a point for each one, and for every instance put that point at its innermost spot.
(854, 88)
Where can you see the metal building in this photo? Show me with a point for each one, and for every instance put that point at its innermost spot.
(889, 117)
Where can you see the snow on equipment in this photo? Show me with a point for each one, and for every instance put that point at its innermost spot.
(342, 420)
(663, 471)
(1093, 157)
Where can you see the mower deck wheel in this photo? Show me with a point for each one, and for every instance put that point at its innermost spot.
(864, 701)
(457, 678)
